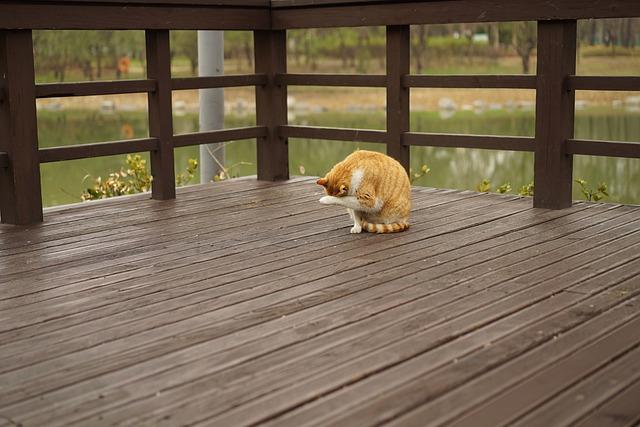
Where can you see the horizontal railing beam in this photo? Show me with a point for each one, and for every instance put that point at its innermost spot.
(113, 87)
(603, 83)
(350, 80)
(487, 142)
(603, 148)
(210, 137)
(334, 134)
(74, 152)
(188, 83)
(4, 160)
(470, 81)
(447, 11)
(20, 14)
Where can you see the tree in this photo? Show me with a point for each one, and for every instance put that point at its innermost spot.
(186, 43)
(525, 39)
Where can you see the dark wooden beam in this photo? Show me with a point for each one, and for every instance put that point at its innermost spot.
(555, 107)
(471, 81)
(485, 142)
(84, 151)
(63, 15)
(351, 80)
(198, 138)
(449, 11)
(398, 62)
(160, 114)
(334, 134)
(271, 105)
(20, 192)
(4, 160)
(187, 83)
(603, 83)
(604, 148)
(52, 90)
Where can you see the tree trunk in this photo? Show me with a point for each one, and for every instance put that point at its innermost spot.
(525, 64)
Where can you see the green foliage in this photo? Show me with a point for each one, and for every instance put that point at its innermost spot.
(590, 194)
(424, 169)
(484, 186)
(526, 190)
(504, 188)
(135, 179)
(227, 172)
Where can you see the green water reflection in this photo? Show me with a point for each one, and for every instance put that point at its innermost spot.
(450, 167)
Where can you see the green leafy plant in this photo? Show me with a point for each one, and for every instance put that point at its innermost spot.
(526, 190)
(590, 194)
(424, 169)
(504, 188)
(134, 179)
(484, 186)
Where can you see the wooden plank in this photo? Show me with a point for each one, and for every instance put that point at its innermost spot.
(603, 148)
(604, 83)
(240, 3)
(197, 138)
(158, 53)
(555, 105)
(590, 393)
(540, 387)
(351, 80)
(470, 81)
(490, 142)
(398, 63)
(113, 87)
(270, 48)
(73, 152)
(20, 192)
(4, 160)
(447, 11)
(620, 411)
(187, 83)
(16, 15)
(335, 134)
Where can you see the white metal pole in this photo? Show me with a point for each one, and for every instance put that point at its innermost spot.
(211, 63)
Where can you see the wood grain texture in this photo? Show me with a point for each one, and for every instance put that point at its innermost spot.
(186, 83)
(270, 50)
(4, 160)
(335, 134)
(603, 148)
(160, 114)
(488, 302)
(492, 142)
(604, 83)
(73, 152)
(352, 80)
(555, 106)
(63, 15)
(52, 90)
(20, 193)
(470, 81)
(448, 11)
(398, 101)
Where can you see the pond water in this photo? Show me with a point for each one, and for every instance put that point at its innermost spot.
(459, 168)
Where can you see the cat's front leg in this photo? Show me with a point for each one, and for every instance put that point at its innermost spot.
(357, 221)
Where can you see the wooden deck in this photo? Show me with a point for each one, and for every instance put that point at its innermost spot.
(248, 302)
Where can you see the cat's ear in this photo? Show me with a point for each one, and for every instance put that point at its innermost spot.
(322, 181)
(343, 190)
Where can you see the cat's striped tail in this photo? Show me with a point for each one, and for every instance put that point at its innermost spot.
(384, 228)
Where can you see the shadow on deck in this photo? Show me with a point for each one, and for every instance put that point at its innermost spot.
(248, 302)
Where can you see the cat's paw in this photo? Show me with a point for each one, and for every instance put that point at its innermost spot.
(327, 200)
(356, 229)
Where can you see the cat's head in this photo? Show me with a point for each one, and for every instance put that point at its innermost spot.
(334, 186)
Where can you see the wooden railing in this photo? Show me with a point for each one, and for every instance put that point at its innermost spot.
(555, 84)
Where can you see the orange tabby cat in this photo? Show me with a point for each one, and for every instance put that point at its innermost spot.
(374, 188)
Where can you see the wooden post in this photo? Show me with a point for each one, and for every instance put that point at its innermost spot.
(160, 117)
(271, 105)
(20, 193)
(554, 114)
(398, 45)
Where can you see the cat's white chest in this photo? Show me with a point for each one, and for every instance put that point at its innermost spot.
(356, 180)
